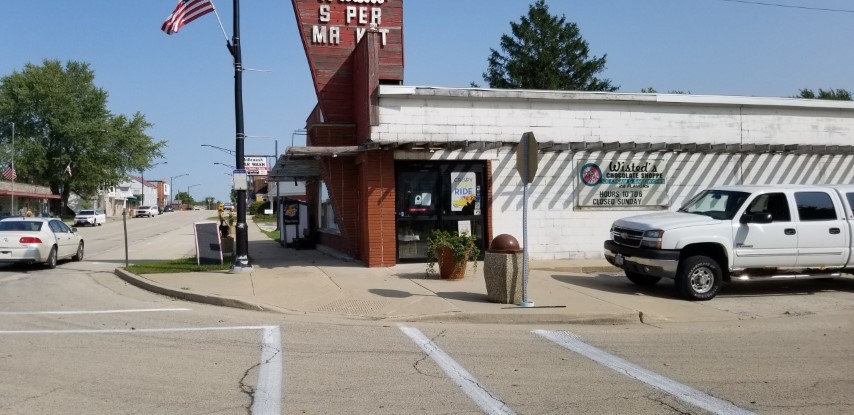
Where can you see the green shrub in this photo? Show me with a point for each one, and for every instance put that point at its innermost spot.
(257, 207)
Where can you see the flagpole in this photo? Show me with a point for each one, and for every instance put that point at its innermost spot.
(241, 251)
(220, 22)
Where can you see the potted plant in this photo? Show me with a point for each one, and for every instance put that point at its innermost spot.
(451, 250)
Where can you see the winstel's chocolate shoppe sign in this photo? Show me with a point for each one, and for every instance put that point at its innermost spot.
(330, 31)
(622, 184)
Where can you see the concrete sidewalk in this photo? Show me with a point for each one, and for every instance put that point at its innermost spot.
(313, 282)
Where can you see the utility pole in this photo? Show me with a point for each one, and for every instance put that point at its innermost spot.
(241, 257)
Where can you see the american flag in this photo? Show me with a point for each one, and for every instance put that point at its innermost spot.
(186, 12)
(9, 173)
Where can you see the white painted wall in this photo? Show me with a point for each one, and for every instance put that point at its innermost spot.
(557, 228)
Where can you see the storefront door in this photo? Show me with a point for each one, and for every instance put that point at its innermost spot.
(438, 195)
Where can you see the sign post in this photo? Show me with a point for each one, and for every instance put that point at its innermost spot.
(527, 158)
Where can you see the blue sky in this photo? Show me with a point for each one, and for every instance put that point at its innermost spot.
(184, 83)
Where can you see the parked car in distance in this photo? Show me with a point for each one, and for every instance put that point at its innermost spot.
(197, 208)
(91, 217)
(38, 241)
(168, 208)
(228, 207)
(147, 211)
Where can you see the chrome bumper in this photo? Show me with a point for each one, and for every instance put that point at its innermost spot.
(654, 262)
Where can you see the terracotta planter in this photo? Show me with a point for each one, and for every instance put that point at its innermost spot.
(450, 268)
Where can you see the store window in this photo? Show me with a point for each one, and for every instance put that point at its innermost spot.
(327, 212)
(438, 195)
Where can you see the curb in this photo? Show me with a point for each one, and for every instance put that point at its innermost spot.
(524, 318)
(148, 285)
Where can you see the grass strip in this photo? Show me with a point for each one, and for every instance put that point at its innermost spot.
(176, 265)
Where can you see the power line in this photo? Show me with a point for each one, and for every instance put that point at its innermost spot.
(789, 6)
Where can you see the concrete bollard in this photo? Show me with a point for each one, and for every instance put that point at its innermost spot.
(502, 270)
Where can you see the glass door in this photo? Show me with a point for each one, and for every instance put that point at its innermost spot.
(431, 195)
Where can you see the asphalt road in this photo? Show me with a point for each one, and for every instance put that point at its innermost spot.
(77, 340)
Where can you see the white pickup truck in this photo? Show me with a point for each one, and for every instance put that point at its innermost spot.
(739, 233)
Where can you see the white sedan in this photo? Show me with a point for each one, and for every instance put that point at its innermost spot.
(90, 217)
(38, 241)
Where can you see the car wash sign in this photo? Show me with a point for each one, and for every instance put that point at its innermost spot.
(255, 166)
(622, 184)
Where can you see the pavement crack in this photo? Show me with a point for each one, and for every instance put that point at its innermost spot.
(328, 277)
(248, 389)
(661, 402)
(426, 355)
(30, 398)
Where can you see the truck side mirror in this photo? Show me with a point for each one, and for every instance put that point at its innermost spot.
(760, 217)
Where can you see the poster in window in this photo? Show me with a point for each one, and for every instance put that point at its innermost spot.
(291, 214)
(463, 189)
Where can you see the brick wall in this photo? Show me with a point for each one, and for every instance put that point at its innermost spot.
(377, 206)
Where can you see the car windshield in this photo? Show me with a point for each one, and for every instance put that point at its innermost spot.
(716, 204)
(20, 225)
(145, 207)
(86, 212)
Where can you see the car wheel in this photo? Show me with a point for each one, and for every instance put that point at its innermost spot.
(642, 280)
(79, 255)
(699, 278)
(51, 259)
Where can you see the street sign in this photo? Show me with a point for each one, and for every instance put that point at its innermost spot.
(238, 177)
(527, 157)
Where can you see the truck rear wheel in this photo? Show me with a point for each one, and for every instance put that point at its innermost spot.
(699, 278)
(642, 280)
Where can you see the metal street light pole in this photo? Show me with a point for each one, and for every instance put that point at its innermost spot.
(171, 199)
(189, 199)
(142, 181)
(241, 248)
(226, 165)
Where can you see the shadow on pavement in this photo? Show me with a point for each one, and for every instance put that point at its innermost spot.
(390, 293)
(666, 289)
(618, 284)
(783, 288)
(464, 296)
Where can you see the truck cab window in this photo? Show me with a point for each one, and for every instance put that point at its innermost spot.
(774, 203)
(815, 206)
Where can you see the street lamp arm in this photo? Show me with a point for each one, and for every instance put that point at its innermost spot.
(231, 152)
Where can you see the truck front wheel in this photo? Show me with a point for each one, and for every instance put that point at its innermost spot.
(699, 278)
(642, 280)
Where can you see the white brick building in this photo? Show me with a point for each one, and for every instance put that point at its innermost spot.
(694, 141)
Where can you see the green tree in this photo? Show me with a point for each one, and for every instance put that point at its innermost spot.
(832, 94)
(545, 52)
(63, 125)
(185, 198)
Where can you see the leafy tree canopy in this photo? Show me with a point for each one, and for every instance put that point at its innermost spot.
(185, 198)
(61, 119)
(545, 52)
(832, 94)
